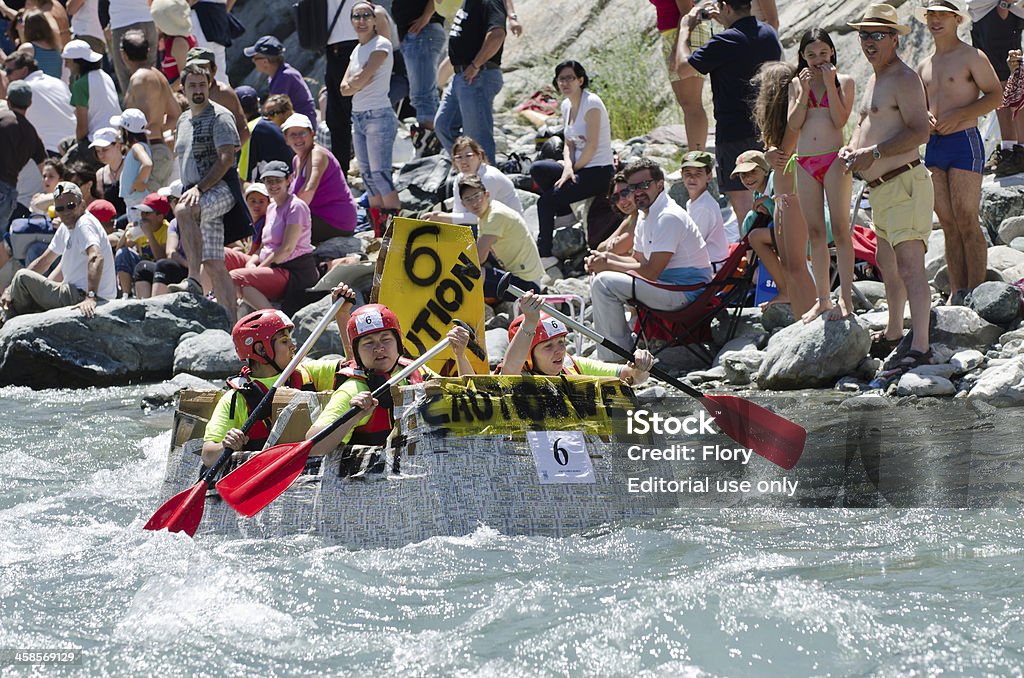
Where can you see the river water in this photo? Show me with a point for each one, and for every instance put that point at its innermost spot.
(749, 591)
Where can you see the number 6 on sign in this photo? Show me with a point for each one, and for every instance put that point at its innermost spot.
(561, 457)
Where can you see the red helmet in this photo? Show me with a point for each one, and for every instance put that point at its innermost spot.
(369, 319)
(259, 327)
(547, 328)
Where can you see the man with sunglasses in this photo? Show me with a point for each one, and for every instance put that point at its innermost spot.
(87, 263)
(893, 123)
(667, 249)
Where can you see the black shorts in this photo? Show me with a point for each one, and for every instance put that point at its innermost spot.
(726, 153)
(996, 37)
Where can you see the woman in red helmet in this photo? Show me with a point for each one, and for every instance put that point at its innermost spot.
(376, 339)
(263, 340)
(537, 346)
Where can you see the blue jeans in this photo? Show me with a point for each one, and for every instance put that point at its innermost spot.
(373, 136)
(469, 108)
(8, 202)
(422, 53)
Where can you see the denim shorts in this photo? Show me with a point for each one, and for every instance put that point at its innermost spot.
(373, 136)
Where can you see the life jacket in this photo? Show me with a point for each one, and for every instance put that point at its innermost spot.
(253, 391)
(382, 420)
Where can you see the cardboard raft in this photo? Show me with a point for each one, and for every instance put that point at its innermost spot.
(461, 457)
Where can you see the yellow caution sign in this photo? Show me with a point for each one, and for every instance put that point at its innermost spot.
(505, 405)
(429, 275)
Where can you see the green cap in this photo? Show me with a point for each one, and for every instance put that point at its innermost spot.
(200, 55)
(701, 159)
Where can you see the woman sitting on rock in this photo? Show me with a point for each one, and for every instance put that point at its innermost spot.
(587, 164)
(537, 347)
(285, 260)
(469, 157)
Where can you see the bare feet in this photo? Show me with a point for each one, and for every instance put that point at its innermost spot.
(820, 306)
(845, 308)
(778, 299)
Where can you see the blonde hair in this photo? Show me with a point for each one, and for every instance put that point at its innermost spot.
(771, 106)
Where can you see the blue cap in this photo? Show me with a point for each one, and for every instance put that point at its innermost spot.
(268, 45)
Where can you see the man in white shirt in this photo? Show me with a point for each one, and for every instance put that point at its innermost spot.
(667, 249)
(87, 263)
(51, 112)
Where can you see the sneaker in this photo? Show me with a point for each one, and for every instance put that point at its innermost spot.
(549, 262)
(190, 285)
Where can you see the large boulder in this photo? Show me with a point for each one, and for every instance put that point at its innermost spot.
(996, 302)
(813, 355)
(1001, 385)
(956, 328)
(999, 201)
(210, 355)
(127, 341)
(1011, 229)
(307, 318)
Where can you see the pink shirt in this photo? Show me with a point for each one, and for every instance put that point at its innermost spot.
(668, 14)
(295, 211)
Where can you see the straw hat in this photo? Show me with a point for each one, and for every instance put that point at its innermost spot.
(938, 6)
(880, 15)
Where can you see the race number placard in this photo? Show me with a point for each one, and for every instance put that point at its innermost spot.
(561, 457)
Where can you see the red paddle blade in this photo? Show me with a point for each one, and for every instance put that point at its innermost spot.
(182, 512)
(250, 487)
(774, 437)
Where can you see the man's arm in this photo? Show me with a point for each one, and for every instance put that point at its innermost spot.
(513, 19)
(94, 273)
(225, 159)
(493, 41)
(484, 246)
(43, 262)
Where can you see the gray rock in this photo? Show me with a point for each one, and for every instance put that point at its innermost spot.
(716, 373)
(1001, 385)
(1001, 258)
(941, 279)
(568, 241)
(849, 385)
(577, 286)
(1018, 243)
(741, 365)
(944, 370)
(1010, 229)
(965, 361)
(306, 319)
(127, 341)
(867, 401)
(872, 290)
(747, 343)
(812, 355)
(497, 344)
(748, 324)
(935, 257)
(498, 321)
(996, 302)
(998, 202)
(679, 360)
(957, 328)
(527, 199)
(776, 317)
(163, 394)
(210, 355)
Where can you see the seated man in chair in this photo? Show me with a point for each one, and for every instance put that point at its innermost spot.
(668, 250)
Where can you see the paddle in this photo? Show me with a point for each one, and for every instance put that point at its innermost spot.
(265, 476)
(183, 511)
(775, 438)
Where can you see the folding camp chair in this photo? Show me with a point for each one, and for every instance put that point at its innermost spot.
(690, 326)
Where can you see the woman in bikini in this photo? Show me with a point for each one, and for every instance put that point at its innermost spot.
(821, 99)
(771, 110)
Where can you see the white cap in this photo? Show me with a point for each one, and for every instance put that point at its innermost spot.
(104, 137)
(256, 187)
(297, 120)
(132, 120)
(173, 191)
(79, 49)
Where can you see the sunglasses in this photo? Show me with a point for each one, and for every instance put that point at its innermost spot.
(362, 16)
(65, 208)
(621, 195)
(473, 199)
(641, 186)
(568, 78)
(874, 35)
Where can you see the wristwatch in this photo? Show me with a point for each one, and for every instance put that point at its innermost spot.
(90, 294)
(875, 153)
(513, 16)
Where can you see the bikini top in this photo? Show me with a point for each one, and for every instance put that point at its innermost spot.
(812, 101)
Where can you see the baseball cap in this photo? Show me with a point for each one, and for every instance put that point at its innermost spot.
(256, 187)
(246, 93)
(79, 49)
(154, 202)
(199, 55)
(268, 45)
(103, 210)
(748, 160)
(276, 168)
(174, 190)
(701, 159)
(104, 137)
(297, 120)
(19, 94)
(132, 119)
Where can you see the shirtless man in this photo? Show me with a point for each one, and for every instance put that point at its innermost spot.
(149, 92)
(961, 86)
(220, 93)
(883, 150)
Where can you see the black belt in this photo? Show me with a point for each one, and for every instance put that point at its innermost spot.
(486, 67)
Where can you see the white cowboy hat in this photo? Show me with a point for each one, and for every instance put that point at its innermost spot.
(880, 15)
(939, 6)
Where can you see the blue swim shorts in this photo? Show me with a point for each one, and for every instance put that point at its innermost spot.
(961, 150)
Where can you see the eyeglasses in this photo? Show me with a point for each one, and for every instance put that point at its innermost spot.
(874, 35)
(621, 195)
(641, 186)
(473, 199)
(65, 208)
(464, 156)
(568, 78)
(363, 16)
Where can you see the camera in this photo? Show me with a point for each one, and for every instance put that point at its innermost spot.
(703, 14)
